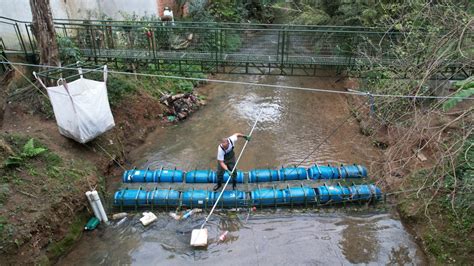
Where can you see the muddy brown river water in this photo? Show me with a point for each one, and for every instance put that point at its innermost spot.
(293, 123)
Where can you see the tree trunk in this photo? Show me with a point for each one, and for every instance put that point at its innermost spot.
(43, 29)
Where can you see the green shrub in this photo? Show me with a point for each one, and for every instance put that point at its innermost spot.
(465, 90)
(68, 50)
(29, 151)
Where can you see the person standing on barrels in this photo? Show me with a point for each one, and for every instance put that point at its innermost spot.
(226, 159)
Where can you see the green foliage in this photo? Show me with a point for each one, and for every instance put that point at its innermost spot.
(311, 16)
(232, 42)
(4, 193)
(29, 151)
(3, 222)
(447, 236)
(227, 11)
(230, 11)
(119, 86)
(68, 50)
(199, 12)
(465, 90)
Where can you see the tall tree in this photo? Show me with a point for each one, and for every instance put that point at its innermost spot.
(43, 29)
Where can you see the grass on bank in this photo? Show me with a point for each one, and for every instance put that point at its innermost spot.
(30, 174)
(445, 211)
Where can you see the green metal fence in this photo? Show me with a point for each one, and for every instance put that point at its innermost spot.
(226, 47)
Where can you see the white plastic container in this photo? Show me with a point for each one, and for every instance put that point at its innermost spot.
(199, 237)
(148, 218)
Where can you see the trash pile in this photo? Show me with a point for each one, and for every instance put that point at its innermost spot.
(180, 105)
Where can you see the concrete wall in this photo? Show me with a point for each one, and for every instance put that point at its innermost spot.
(81, 9)
(72, 9)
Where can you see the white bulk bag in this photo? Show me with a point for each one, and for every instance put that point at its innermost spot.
(81, 107)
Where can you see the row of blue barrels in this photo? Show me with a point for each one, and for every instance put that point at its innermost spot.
(254, 176)
(258, 197)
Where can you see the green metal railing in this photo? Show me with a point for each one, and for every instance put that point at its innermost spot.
(224, 47)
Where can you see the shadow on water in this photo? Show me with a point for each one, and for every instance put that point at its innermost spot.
(293, 123)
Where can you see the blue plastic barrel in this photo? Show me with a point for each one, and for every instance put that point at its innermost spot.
(137, 176)
(201, 176)
(130, 197)
(365, 192)
(197, 198)
(163, 197)
(293, 173)
(231, 198)
(323, 172)
(352, 171)
(168, 176)
(376, 192)
(267, 196)
(333, 194)
(240, 177)
(299, 195)
(263, 175)
(360, 192)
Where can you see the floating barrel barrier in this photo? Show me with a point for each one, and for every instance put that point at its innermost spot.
(259, 197)
(170, 176)
(231, 198)
(334, 194)
(197, 198)
(267, 196)
(298, 195)
(255, 176)
(263, 175)
(323, 172)
(138, 176)
(163, 197)
(240, 177)
(365, 192)
(352, 171)
(293, 173)
(152, 176)
(132, 197)
(201, 176)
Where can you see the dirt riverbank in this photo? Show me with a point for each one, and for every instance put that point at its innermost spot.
(43, 205)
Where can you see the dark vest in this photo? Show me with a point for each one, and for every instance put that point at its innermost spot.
(228, 155)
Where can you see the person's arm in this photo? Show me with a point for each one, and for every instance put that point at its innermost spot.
(222, 164)
(240, 135)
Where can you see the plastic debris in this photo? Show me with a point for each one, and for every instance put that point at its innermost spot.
(175, 216)
(254, 209)
(199, 237)
(92, 224)
(223, 236)
(187, 214)
(148, 218)
(119, 215)
(171, 118)
(121, 221)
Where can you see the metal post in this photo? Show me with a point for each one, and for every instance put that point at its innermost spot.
(93, 43)
(22, 43)
(217, 46)
(29, 39)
